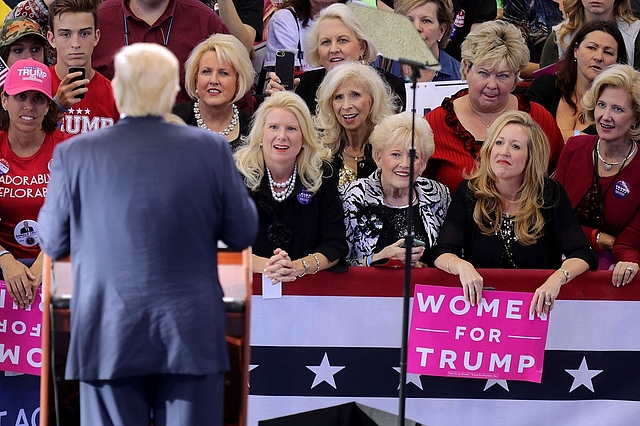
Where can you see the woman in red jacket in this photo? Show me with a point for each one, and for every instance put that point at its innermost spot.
(602, 174)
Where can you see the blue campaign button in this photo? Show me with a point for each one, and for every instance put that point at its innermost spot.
(622, 189)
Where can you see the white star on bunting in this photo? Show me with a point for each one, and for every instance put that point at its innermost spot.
(582, 376)
(411, 378)
(501, 383)
(324, 372)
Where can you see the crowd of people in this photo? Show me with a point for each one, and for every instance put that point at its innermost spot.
(327, 196)
(507, 174)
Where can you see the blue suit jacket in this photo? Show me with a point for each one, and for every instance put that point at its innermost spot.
(140, 207)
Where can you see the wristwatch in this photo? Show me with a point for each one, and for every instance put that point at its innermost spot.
(305, 264)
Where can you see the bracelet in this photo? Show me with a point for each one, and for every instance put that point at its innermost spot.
(369, 260)
(317, 263)
(60, 105)
(449, 261)
(598, 238)
(306, 266)
(566, 274)
(3, 252)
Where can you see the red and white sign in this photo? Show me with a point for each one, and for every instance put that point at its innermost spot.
(496, 339)
(20, 334)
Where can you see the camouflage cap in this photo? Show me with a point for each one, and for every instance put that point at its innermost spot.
(16, 28)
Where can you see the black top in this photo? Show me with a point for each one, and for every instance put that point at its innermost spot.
(366, 166)
(301, 226)
(467, 13)
(311, 80)
(543, 91)
(562, 234)
(185, 111)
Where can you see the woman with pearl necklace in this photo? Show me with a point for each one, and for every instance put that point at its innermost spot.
(218, 74)
(287, 172)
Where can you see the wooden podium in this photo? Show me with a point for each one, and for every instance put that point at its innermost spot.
(234, 270)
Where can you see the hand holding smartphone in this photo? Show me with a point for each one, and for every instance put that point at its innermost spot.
(285, 68)
(82, 77)
(416, 243)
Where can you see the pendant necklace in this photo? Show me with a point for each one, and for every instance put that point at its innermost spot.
(607, 165)
(355, 158)
(480, 118)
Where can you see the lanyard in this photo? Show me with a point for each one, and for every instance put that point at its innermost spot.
(126, 31)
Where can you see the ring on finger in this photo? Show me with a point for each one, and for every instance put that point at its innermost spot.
(548, 303)
(630, 269)
(472, 291)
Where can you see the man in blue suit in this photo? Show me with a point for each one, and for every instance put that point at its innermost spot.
(140, 207)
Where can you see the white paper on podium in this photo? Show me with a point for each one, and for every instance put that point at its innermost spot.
(431, 94)
(271, 290)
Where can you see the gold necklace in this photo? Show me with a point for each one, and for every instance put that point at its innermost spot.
(356, 158)
(480, 118)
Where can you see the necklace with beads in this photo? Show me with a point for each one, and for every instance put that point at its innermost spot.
(289, 184)
(203, 125)
(607, 165)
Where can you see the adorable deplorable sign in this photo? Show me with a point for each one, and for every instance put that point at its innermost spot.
(496, 339)
(20, 340)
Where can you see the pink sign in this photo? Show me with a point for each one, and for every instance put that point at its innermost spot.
(20, 334)
(496, 339)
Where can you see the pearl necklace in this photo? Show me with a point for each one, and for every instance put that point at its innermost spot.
(608, 166)
(289, 184)
(203, 125)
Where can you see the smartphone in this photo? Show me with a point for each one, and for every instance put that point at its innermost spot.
(285, 67)
(82, 77)
(416, 243)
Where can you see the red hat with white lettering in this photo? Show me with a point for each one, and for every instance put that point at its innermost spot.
(28, 74)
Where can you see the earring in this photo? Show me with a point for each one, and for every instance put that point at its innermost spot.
(260, 143)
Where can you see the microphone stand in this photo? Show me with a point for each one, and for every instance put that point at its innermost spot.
(415, 67)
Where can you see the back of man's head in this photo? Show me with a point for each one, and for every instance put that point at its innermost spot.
(146, 80)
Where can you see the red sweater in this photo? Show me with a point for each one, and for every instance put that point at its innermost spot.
(457, 149)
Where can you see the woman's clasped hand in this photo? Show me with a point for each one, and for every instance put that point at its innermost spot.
(279, 267)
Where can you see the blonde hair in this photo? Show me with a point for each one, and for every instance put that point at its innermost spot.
(227, 49)
(174, 119)
(382, 101)
(574, 11)
(146, 80)
(395, 130)
(312, 156)
(444, 15)
(342, 12)
(494, 43)
(616, 76)
(487, 214)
